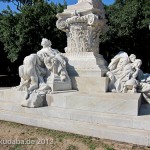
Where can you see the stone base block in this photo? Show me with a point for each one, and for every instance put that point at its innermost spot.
(112, 103)
(85, 64)
(90, 84)
(58, 85)
(135, 136)
(12, 95)
(104, 115)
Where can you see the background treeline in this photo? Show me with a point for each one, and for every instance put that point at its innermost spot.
(129, 30)
(21, 32)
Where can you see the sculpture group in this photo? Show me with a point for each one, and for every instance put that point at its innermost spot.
(46, 70)
(126, 76)
(81, 92)
(41, 73)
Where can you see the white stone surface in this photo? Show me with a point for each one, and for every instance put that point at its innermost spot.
(82, 30)
(135, 136)
(102, 130)
(86, 5)
(113, 103)
(35, 100)
(90, 85)
(126, 121)
(85, 64)
(82, 116)
(123, 104)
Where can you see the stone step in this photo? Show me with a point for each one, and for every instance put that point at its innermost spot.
(135, 136)
(114, 103)
(135, 122)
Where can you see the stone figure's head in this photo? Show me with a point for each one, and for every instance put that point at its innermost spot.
(46, 43)
(132, 58)
(137, 63)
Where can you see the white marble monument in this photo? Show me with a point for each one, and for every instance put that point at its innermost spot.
(48, 77)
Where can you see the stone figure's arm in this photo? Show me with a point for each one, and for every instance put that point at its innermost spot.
(110, 75)
(61, 59)
(135, 74)
(48, 63)
(42, 54)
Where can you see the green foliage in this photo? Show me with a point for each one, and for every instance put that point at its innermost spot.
(21, 33)
(128, 22)
(19, 3)
(72, 147)
(16, 147)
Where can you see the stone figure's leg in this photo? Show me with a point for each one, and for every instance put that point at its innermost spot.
(33, 80)
(31, 72)
(24, 84)
(145, 88)
(34, 83)
(125, 89)
(134, 89)
(21, 71)
(42, 84)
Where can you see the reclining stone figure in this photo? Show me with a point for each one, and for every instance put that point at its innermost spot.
(125, 74)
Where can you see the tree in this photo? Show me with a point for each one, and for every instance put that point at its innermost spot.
(20, 3)
(128, 30)
(21, 33)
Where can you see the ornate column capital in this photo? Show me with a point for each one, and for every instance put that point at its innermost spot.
(83, 26)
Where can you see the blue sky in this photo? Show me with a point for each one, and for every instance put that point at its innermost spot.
(69, 2)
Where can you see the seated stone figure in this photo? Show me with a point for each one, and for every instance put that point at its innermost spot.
(125, 74)
(119, 72)
(37, 68)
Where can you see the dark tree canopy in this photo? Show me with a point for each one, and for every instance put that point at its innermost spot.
(20, 3)
(128, 22)
(21, 33)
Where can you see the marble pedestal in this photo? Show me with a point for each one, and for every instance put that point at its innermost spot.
(86, 71)
(57, 84)
(106, 115)
(112, 103)
(90, 85)
(85, 64)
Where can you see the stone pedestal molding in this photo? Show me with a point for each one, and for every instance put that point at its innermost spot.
(85, 64)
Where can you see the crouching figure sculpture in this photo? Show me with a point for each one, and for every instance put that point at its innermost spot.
(43, 72)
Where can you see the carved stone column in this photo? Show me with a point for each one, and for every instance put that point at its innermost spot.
(83, 24)
(82, 33)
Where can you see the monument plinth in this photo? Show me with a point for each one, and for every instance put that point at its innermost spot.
(83, 24)
(48, 77)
